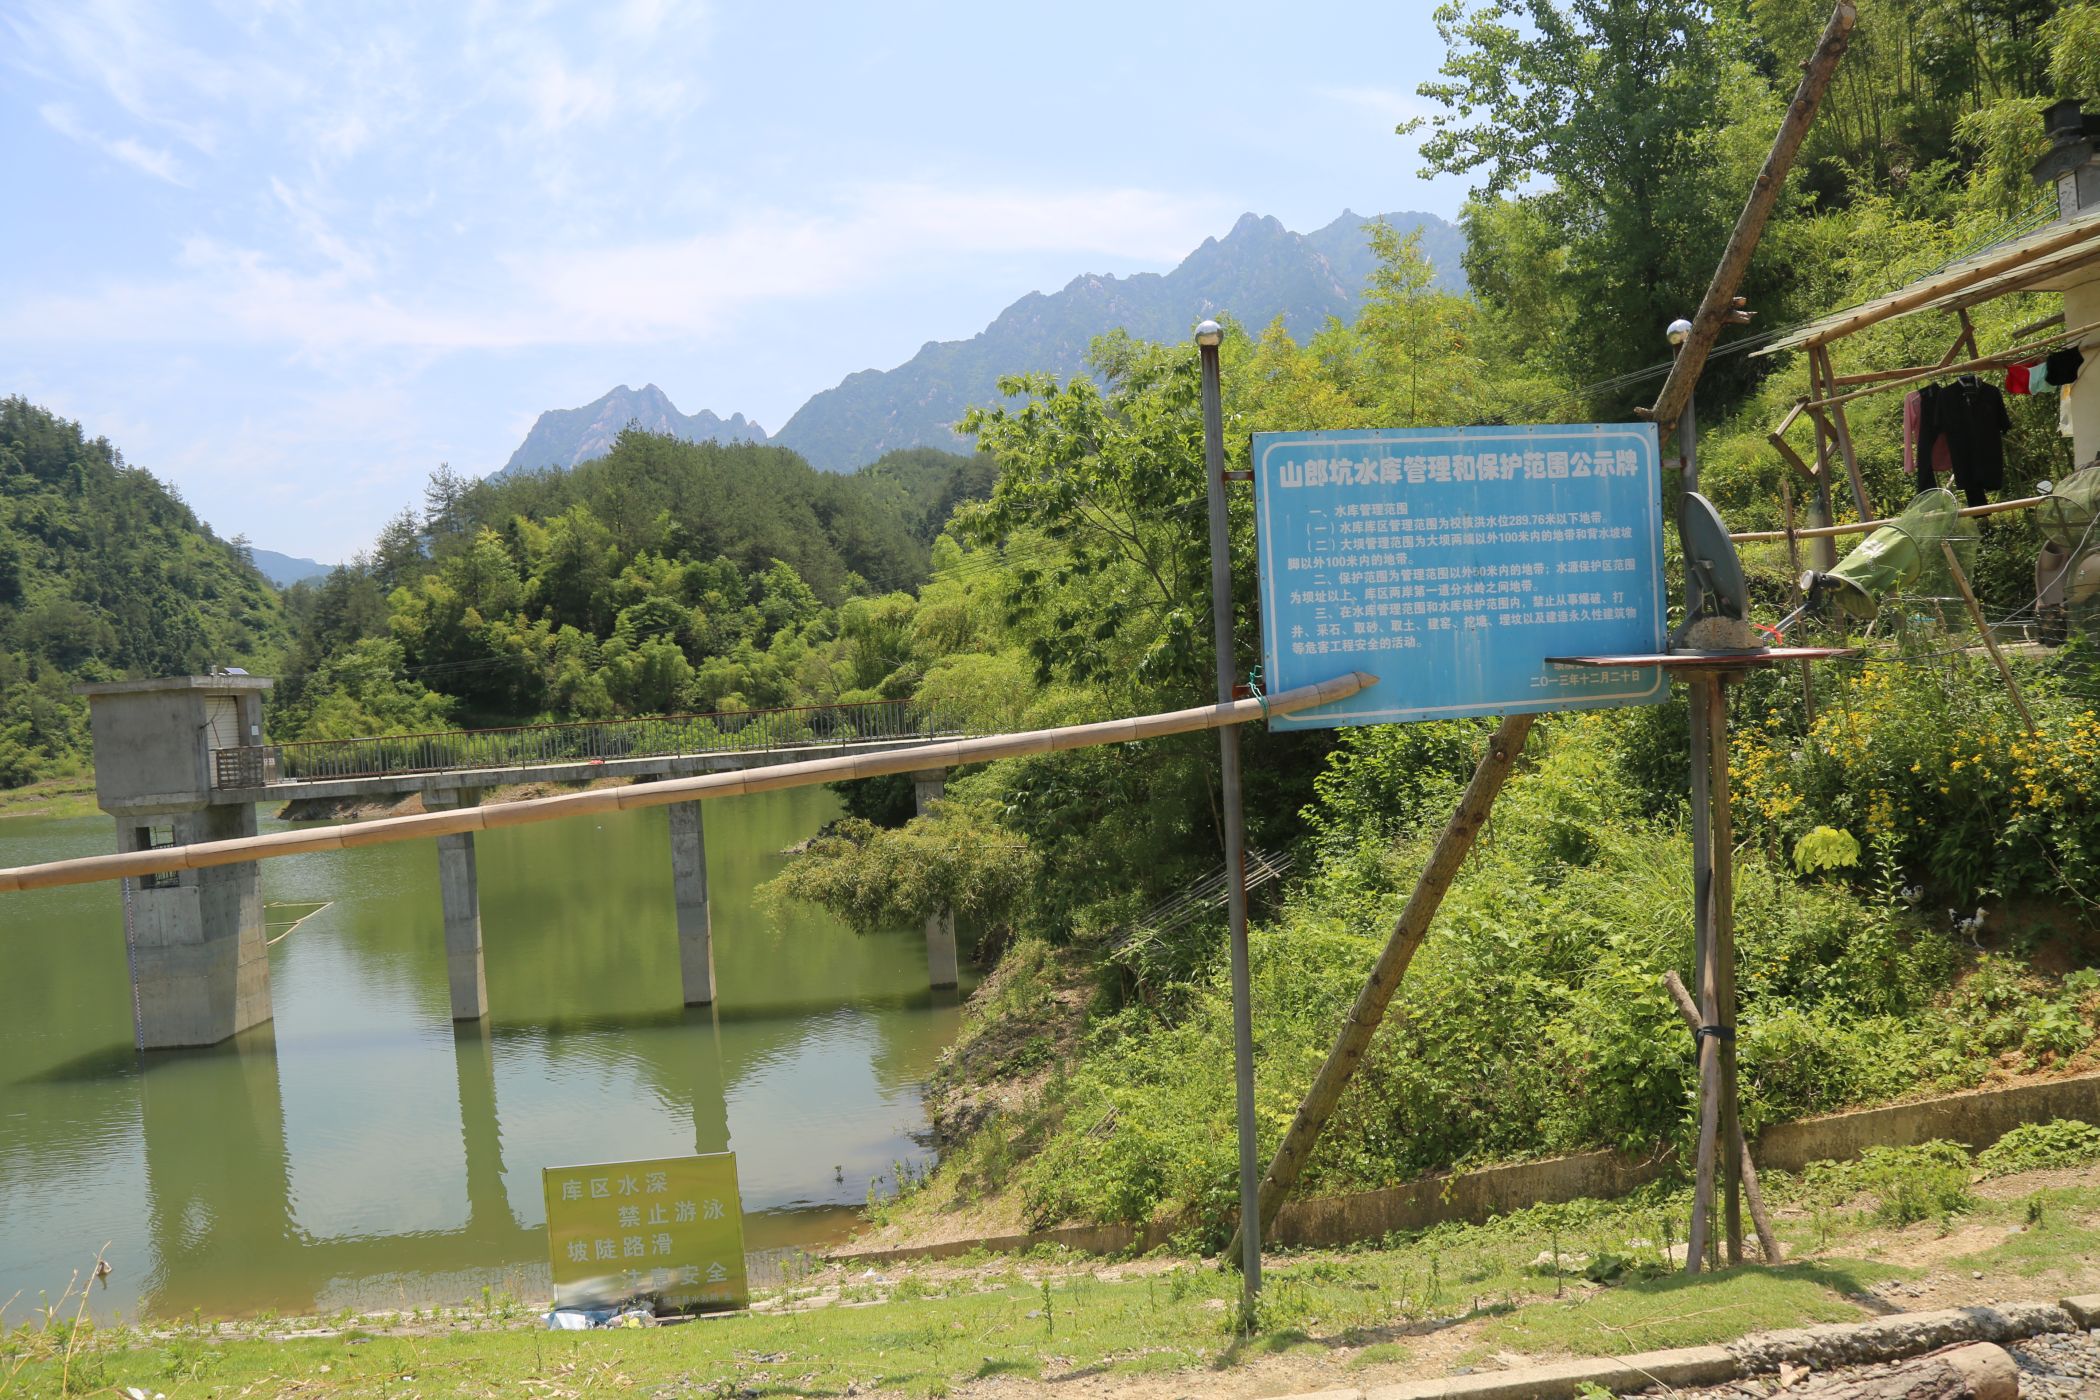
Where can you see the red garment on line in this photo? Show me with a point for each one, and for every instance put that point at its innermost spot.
(2016, 378)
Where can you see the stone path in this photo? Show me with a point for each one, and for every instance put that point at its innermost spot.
(2059, 1366)
(2053, 1366)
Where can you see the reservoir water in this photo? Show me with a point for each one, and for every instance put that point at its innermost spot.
(359, 1151)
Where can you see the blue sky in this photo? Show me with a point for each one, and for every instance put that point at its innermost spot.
(291, 256)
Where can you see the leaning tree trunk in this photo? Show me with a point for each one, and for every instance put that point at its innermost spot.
(1977, 1371)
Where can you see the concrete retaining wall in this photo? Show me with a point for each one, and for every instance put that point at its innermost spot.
(1977, 1119)
(1471, 1196)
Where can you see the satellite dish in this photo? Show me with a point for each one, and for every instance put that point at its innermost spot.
(1719, 617)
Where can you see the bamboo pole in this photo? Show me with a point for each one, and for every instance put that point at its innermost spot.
(1990, 643)
(1841, 430)
(1408, 932)
(1968, 331)
(1819, 507)
(1786, 450)
(1715, 306)
(1897, 379)
(350, 836)
(1875, 376)
(1793, 564)
(1753, 1192)
(1861, 527)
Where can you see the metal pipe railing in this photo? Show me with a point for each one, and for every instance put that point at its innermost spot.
(659, 736)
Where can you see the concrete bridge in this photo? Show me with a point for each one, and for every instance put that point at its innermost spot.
(183, 759)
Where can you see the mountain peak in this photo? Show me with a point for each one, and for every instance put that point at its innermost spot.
(1248, 225)
(563, 437)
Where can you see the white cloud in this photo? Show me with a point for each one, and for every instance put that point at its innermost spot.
(160, 164)
(1389, 106)
(318, 233)
(132, 56)
(1133, 224)
(640, 292)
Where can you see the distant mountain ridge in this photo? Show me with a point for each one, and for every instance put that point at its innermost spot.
(284, 570)
(1257, 272)
(562, 437)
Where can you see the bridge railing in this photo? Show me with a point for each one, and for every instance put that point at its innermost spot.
(659, 736)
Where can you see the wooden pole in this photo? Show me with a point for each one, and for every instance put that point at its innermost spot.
(1820, 509)
(1841, 430)
(1793, 565)
(1701, 1232)
(204, 854)
(1715, 306)
(1753, 1192)
(1990, 643)
(1972, 1371)
(1407, 935)
(1968, 331)
(1722, 935)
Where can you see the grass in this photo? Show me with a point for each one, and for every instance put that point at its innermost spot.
(70, 796)
(1677, 1311)
(1452, 1295)
(2042, 1248)
(928, 1345)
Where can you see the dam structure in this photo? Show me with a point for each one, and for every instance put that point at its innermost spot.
(183, 759)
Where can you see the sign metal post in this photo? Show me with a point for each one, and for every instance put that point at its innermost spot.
(1208, 338)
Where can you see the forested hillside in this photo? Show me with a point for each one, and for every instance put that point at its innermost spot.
(667, 575)
(104, 573)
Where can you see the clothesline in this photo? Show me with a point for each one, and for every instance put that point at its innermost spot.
(1998, 361)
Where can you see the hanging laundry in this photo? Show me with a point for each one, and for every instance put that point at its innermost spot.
(2063, 414)
(1935, 455)
(2038, 381)
(1968, 416)
(1912, 404)
(2016, 378)
(2063, 366)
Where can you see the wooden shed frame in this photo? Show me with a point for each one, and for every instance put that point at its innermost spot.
(2058, 255)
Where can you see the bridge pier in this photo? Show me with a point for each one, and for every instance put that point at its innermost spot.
(459, 886)
(696, 945)
(200, 960)
(941, 967)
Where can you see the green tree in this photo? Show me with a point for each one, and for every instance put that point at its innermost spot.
(1629, 126)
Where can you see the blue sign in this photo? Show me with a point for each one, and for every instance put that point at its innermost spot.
(1451, 562)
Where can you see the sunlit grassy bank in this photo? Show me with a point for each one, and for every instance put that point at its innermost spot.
(1912, 1228)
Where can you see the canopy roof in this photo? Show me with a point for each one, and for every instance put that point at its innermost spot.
(2059, 254)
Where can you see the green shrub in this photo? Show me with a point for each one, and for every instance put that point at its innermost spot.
(2061, 1142)
(1935, 763)
(1916, 1183)
(1826, 848)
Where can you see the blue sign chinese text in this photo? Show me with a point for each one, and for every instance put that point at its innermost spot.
(1451, 562)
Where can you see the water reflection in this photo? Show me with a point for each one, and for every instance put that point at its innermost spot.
(360, 1150)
